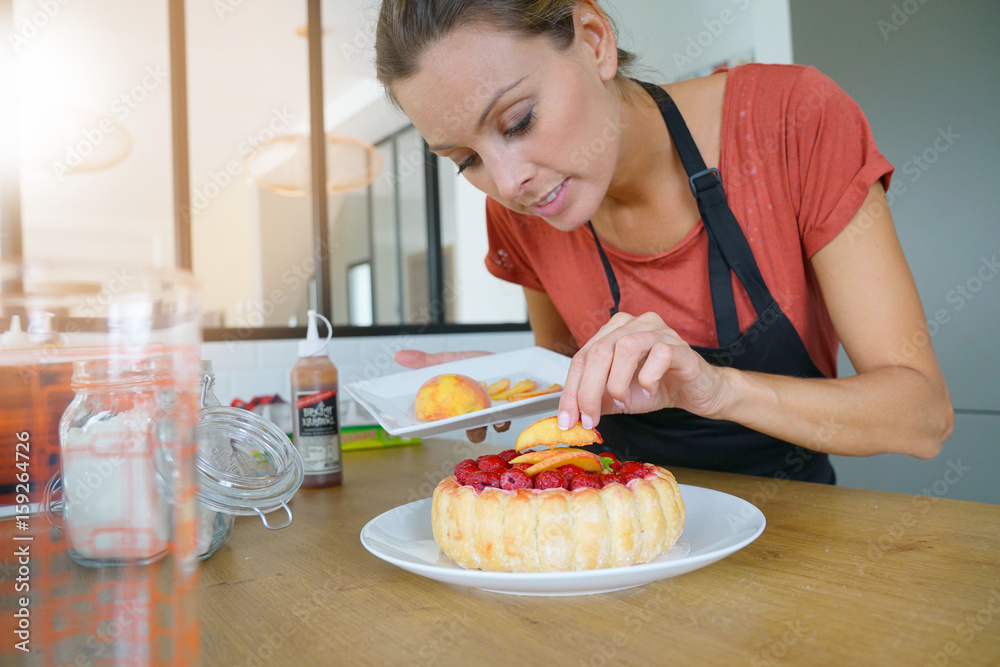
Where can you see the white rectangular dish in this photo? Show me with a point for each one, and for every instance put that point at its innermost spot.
(390, 398)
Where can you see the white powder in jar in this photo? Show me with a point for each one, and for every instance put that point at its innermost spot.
(113, 509)
(206, 528)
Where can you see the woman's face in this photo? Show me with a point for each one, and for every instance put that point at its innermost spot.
(535, 128)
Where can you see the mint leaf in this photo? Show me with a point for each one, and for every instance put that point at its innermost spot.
(606, 461)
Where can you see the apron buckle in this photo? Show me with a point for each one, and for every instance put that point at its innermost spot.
(696, 189)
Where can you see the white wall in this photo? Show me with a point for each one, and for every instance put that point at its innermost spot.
(224, 249)
(245, 369)
(480, 297)
(924, 71)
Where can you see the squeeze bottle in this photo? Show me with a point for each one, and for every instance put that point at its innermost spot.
(14, 337)
(315, 420)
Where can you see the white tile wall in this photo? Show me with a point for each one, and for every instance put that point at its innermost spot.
(244, 369)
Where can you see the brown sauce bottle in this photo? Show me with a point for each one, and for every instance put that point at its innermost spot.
(315, 415)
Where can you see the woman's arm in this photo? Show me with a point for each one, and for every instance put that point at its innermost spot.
(548, 325)
(898, 401)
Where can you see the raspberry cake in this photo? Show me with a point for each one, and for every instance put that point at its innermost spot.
(557, 510)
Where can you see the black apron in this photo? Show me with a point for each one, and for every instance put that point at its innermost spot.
(675, 437)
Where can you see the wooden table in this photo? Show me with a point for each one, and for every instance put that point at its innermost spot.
(839, 577)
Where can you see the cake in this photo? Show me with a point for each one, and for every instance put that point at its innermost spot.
(563, 509)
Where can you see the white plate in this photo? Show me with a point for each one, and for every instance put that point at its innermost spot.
(716, 525)
(390, 398)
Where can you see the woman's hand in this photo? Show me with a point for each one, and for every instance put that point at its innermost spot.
(635, 365)
(418, 359)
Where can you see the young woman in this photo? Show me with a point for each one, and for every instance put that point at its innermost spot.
(698, 248)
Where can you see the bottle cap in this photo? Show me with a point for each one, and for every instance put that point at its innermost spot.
(14, 337)
(40, 328)
(312, 346)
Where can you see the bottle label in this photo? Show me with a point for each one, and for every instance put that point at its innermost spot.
(318, 429)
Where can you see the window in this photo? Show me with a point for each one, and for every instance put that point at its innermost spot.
(164, 189)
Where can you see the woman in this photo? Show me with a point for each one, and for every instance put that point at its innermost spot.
(702, 306)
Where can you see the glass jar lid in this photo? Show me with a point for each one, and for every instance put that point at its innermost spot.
(245, 464)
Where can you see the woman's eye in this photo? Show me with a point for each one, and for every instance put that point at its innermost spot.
(523, 125)
(465, 164)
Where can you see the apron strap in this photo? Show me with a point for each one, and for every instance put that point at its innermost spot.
(727, 323)
(616, 295)
(726, 240)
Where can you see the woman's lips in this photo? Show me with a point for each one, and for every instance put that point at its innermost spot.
(554, 203)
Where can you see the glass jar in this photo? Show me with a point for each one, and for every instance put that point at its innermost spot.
(215, 528)
(245, 465)
(112, 511)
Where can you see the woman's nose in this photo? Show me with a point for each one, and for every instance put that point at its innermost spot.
(512, 176)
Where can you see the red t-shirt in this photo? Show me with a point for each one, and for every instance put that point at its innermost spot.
(797, 161)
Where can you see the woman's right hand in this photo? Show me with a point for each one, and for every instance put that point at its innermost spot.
(419, 359)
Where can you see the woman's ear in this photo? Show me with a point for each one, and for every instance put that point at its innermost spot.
(593, 31)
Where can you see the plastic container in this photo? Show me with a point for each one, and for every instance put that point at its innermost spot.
(315, 416)
(110, 363)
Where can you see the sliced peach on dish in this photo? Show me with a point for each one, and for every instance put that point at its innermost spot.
(542, 454)
(519, 388)
(590, 463)
(498, 387)
(551, 389)
(547, 432)
(534, 457)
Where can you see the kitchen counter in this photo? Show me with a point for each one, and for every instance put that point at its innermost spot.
(839, 576)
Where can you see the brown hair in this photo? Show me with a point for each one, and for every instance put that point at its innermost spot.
(406, 28)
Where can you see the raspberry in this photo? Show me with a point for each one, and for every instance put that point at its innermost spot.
(632, 470)
(585, 480)
(631, 466)
(514, 479)
(550, 479)
(491, 463)
(482, 479)
(464, 469)
(521, 466)
(609, 479)
(570, 471)
(615, 464)
(508, 454)
(464, 476)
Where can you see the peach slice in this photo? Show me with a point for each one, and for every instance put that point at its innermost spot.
(534, 457)
(541, 455)
(590, 463)
(498, 387)
(551, 389)
(519, 388)
(547, 432)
